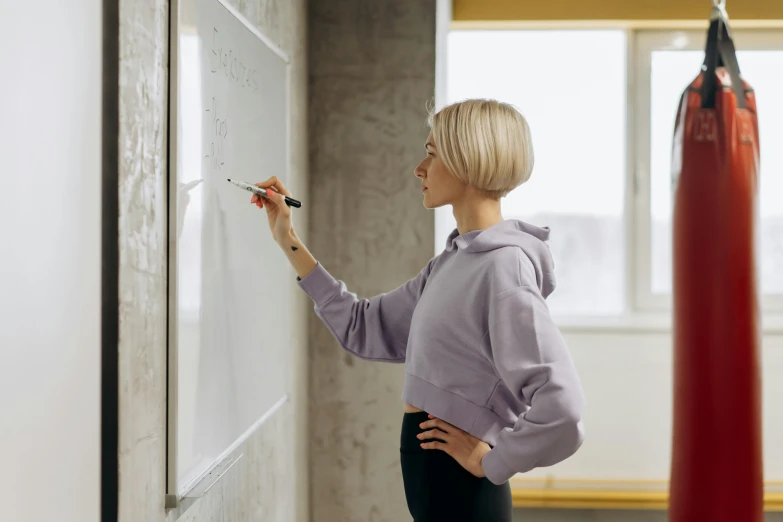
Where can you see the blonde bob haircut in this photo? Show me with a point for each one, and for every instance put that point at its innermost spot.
(484, 143)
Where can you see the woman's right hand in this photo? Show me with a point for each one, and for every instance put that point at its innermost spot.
(277, 212)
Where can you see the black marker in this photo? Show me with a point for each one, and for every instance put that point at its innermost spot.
(291, 202)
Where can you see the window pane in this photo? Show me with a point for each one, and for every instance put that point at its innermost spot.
(671, 73)
(576, 107)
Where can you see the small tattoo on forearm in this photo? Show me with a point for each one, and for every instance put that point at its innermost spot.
(294, 248)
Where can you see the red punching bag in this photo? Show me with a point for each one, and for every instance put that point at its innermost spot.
(716, 468)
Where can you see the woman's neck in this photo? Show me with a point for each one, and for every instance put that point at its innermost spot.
(477, 213)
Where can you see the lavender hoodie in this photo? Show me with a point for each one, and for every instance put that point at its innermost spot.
(480, 349)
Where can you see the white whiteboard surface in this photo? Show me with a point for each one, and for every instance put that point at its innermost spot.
(50, 268)
(228, 308)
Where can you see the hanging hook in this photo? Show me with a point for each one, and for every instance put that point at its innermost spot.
(719, 10)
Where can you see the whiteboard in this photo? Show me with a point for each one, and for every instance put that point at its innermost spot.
(228, 308)
(51, 144)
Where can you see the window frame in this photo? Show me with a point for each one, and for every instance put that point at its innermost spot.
(643, 311)
(645, 42)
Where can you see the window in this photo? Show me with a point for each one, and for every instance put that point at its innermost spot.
(667, 62)
(579, 147)
(602, 131)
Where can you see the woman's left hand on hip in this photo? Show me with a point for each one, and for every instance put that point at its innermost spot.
(466, 449)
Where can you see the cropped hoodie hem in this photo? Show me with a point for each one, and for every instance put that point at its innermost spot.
(479, 421)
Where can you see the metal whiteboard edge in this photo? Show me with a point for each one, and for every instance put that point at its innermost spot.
(211, 478)
(171, 501)
(202, 488)
(186, 490)
(253, 29)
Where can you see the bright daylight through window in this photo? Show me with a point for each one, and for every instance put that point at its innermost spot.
(764, 70)
(611, 245)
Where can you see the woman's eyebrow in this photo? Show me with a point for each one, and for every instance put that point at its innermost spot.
(430, 145)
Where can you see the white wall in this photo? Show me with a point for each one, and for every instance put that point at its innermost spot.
(627, 378)
(50, 210)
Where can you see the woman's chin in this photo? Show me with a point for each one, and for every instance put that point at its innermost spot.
(432, 203)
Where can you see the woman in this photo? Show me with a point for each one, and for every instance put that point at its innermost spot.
(490, 387)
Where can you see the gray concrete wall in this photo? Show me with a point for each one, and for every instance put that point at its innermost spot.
(270, 482)
(372, 71)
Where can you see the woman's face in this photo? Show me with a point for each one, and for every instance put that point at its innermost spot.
(439, 186)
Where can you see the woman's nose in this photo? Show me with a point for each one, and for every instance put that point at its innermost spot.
(419, 172)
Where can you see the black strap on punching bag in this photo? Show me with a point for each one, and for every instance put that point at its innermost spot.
(720, 52)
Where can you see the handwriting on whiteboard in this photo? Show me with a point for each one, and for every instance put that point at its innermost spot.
(226, 61)
(218, 130)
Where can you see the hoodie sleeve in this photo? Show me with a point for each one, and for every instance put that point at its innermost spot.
(533, 361)
(375, 329)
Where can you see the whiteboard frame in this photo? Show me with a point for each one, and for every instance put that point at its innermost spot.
(173, 495)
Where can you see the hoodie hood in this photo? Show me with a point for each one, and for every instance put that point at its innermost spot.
(513, 232)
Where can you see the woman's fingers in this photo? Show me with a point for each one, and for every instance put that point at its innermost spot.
(275, 184)
(435, 445)
(433, 434)
(257, 201)
(436, 423)
(274, 198)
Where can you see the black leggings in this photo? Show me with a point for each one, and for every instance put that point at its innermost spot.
(438, 489)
